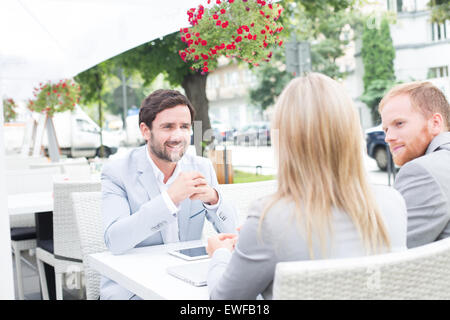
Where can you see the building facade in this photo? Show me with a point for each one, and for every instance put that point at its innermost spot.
(422, 50)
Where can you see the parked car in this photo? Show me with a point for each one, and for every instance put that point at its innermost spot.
(222, 132)
(377, 147)
(257, 133)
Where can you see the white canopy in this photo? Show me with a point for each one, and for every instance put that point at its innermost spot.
(53, 39)
(44, 40)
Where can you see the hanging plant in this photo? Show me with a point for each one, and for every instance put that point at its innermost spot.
(9, 112)
(51, 98)
(243, 29)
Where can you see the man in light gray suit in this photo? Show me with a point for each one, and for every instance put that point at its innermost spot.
(158, 194)
(416, 120)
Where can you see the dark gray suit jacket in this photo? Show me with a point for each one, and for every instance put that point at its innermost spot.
(425, 184)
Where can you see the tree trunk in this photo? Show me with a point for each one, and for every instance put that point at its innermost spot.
(195, 87)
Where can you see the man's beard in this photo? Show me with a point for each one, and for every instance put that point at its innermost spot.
(162, 153)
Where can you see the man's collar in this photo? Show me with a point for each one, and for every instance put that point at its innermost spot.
(438, 141)
(159, 175)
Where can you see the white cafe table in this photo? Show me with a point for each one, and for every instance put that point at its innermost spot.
(143, 272)
(30, 203)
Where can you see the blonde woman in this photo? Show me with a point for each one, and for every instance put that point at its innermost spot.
(324, 206)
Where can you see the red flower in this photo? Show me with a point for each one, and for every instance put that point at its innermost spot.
(281, 42)
(218, 1)
(204, 43)
(238, 39)
(222, 11)
(215, 16)
(254, 37)
(230, 1)
(263, 31)
(225, 24)
(185, 30)
(218, 23)
(239, 31)
(204, 56)
(249, 36)
(205, 69)
(197, 34)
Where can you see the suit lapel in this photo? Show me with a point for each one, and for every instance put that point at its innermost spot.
(146, 175)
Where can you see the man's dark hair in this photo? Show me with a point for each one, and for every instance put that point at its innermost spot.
(160, 100)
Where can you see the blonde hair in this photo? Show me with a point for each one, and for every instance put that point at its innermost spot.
(424, 96)
(320, 160)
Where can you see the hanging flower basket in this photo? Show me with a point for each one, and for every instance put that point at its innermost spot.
(51, 98)
(243, 29)
(9, 112)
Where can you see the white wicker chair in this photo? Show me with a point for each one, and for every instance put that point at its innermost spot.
(25, 181)
(419, 273)
(241, 195)
(67, 255)
(87, 208)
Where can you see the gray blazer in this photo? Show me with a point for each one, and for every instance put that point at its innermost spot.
(425, 184)
(135, 214)
(249, 270)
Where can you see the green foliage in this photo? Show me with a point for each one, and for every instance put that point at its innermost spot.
(325, 25)
(246, 30)
(156, 57)
(378, 55)
(55, 97)
(373, 95)
(440, 10)
(9, 112)
(271, 81)
(92, 82)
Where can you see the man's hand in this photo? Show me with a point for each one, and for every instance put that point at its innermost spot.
(185, 185)
(206, 194)
(222, 240)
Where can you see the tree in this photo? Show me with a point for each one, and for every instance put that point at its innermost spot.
(222, 29)
(440, 10)
(92, 82)
(324, 24)
(378, 55)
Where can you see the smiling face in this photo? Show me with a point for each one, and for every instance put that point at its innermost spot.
(407, 130)
(170, 135)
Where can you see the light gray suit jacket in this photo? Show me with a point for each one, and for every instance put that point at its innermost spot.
(249, 270)
(135, 214)
(425, 184)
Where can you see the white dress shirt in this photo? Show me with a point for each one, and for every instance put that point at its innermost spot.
(172, 228)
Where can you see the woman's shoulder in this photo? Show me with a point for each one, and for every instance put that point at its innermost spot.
(388, 196)
(393, 210)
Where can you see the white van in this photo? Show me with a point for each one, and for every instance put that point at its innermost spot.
(79, 136)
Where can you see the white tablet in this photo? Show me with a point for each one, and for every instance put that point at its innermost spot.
(194, 253)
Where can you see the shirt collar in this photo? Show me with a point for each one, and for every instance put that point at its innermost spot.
(158, 173)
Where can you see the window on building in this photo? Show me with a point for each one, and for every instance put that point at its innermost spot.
(212, 82)
(440, 31)
(438, 72)
(402, 5)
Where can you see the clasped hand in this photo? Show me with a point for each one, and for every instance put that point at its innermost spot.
(194, 186)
